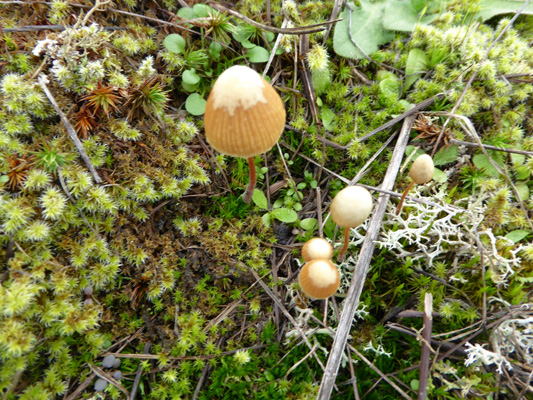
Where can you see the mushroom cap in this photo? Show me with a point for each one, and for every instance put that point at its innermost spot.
(422, 169)
(244, 115)
(317, 248)
(319, 279)
(351, 206)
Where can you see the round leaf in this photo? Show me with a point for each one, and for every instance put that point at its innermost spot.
(516, 236)
(186, 13)
(309, 224)
(260, 199)
(258, 54)
(285, 215)
(190, 77)
(174, 43)
(195, 104)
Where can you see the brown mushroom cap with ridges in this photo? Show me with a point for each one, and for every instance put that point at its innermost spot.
(319, 279)
(422, 169)
(317, 248)
(244, 115)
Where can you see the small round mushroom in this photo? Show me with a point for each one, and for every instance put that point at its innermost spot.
(317, 248)
(319, 279)
(100, 385)
(421, 172)
(244, 117)
(349, 209)
(108, 361)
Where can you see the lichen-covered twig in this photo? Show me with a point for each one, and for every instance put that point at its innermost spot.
(358, 279)
(70, 130)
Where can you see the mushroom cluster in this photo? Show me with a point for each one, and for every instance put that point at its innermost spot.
(244, 117)
(319, 278)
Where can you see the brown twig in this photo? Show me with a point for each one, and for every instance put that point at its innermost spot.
(138, 374)
(394, 121)
(361, 269)
(301, 30)
(70, 130)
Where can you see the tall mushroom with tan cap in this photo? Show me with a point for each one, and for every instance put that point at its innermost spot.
(244, 117)
(421, 172)
(349, 209)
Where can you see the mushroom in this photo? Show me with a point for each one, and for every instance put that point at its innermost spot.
(244, 117)
(319, 278)
(317, 248)
(421, 172)
(349, 209)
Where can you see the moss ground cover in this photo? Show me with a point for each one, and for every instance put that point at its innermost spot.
(133, 268)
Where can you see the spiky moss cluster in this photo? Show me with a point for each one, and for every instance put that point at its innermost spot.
(62, 232)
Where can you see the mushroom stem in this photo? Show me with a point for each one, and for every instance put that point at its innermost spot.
(409, 187)
(248, 193)
(345, 247)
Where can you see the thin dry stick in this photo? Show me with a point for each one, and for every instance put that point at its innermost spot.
(85, 384)
(426, 349)
(137, 380)
(489, 147)
(70, 129)
(394, 121)
(469, 82)
(381, 374)
(301, 30)
(284, 310)
(361, 269)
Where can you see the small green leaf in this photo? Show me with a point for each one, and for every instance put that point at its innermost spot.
(365, 24)
(247, 44)
(490, 8)
(390, 87)
(4, 178)
(409, 150)
(186, 13)
(327, 117)
(309, 224)
(415, 384)
(439, 176)
(516, 236)
(258, 54)
(523, 190)
(267, 218)
(195, 104)
(242, 33)
(174, 43)
(522, 172)
(190, 77)
(260, 199)
(416, 64)
(202, 10)
(446, 155)
(403, 16)
(285, 215)
(481, 162)
(518, 159)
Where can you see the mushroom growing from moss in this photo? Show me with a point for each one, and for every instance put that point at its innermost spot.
(319, 279)
(349, 209)
(421, 172)
(244, 117)
(317, 248)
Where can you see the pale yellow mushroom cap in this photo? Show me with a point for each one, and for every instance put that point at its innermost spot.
(319, 279)
(317, 248)
(422, 169)
(244, 115)
(351, 206)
